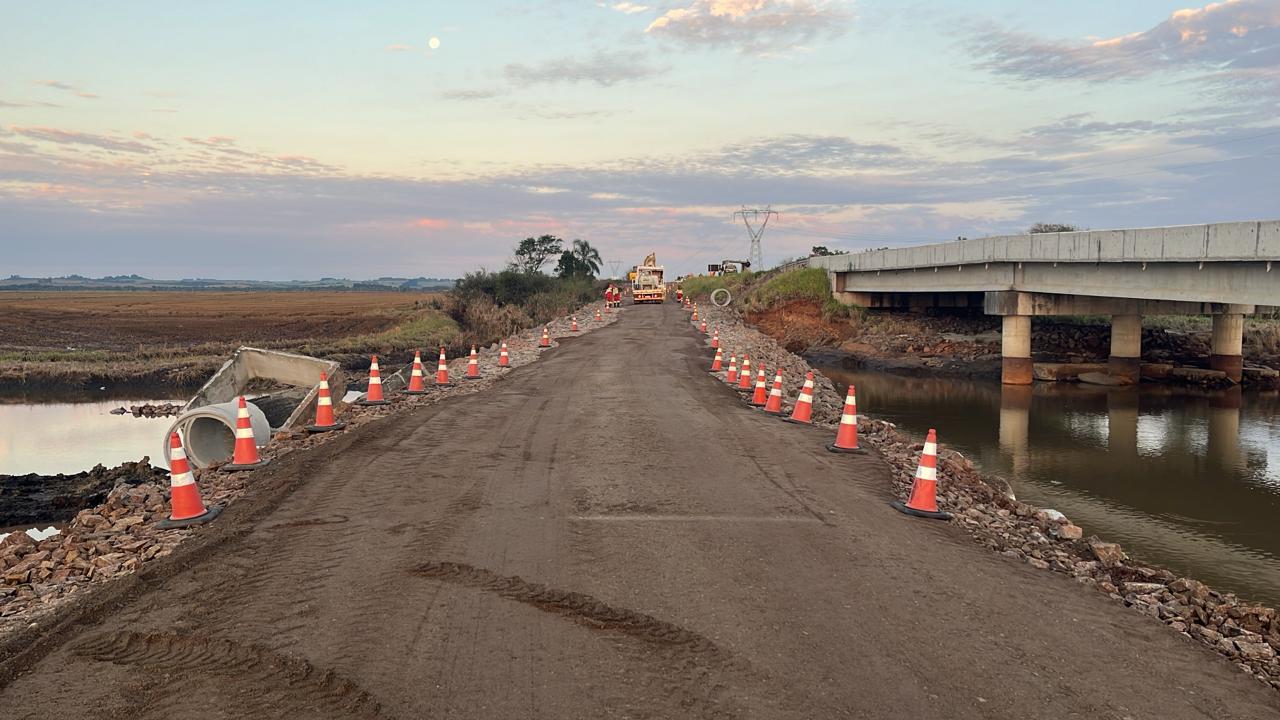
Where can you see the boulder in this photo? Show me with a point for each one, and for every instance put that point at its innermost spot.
(1109, 554)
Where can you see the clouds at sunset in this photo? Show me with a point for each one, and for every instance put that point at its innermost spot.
(637, 126)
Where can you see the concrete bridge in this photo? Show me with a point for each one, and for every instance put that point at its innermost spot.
(1223, 270)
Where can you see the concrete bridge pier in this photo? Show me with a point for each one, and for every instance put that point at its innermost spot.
(1015, 350)
(1126, 347)
(1227, 347)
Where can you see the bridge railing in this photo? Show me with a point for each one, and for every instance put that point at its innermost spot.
(1217, 242)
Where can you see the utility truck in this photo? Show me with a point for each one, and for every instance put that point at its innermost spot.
(646, 282)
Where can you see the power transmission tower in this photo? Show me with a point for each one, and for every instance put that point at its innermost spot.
(613, 268)
(755, 229)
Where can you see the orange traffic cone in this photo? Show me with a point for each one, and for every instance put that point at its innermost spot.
(417, 386)
(744, 375)
(773, 405)
(718, 362)
(504, 360)
(695, 313)
(703, 327)
(473, 365)
(186, 507)
(847, 432)
(373, 396)
(924, 491)
(761, 394)
(245, 456)
(545, 342)
(803, 412)
(324, 409)
(574, 326)
(597, 314)
(442, 370)
(732, 376)
(715, 339)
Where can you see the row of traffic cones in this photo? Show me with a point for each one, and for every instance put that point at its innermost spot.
(187, 507)
(923, 501)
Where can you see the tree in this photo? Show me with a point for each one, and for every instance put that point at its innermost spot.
(532, 253)
(1051, 228)
(588, 257)
(569, 266)
(823, 250)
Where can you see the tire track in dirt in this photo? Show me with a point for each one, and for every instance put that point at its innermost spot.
(691, 666)
(580, 608)
(291, 681)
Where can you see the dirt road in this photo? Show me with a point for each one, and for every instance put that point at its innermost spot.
(609, 532)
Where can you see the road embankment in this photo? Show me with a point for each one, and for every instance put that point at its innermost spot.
(1246, 633)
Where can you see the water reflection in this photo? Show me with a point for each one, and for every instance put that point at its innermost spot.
(1188, 479)
(70, 437)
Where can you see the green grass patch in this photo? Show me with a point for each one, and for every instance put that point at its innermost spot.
(808, 284)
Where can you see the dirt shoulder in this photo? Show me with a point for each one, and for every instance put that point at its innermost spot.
(607, 532)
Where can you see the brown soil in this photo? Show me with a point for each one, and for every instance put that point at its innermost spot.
(40, 499)
(115, 320)
(606, 533)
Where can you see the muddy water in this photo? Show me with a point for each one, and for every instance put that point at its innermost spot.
(1189, 480)
(67, 437)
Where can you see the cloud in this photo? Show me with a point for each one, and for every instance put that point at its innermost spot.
(603, 68)
(71, 137)
(212, 141)
(59, 85)
(629, 8)
(1233, 35)
(427, 223)
(753, 26)
(8, 104)
(397, 47)
(471, 94)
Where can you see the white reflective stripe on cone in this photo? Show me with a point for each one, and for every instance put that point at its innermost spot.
(375, 380)
(181, 480)
(805, 397)
(242, 433)
(324, 400)
(927, 473)
(930, 448)
(847, 419)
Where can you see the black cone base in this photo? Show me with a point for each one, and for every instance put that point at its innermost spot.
(851, 451)
(210, 513)
(326, 428)
(234, 467)
(902, 508)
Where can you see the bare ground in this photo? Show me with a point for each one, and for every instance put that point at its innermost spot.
(607, 533)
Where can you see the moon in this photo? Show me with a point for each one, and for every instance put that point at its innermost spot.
(433, 43)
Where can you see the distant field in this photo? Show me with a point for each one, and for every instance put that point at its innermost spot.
(107, 320)
(179, 337)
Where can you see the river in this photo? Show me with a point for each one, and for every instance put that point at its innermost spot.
(1186, 479)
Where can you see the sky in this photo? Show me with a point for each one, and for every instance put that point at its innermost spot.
(296, 140)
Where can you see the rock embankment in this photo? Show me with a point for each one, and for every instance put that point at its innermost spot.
(1246, 633)
(118, 535)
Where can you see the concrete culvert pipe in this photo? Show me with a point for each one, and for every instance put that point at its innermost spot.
(209, 432)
